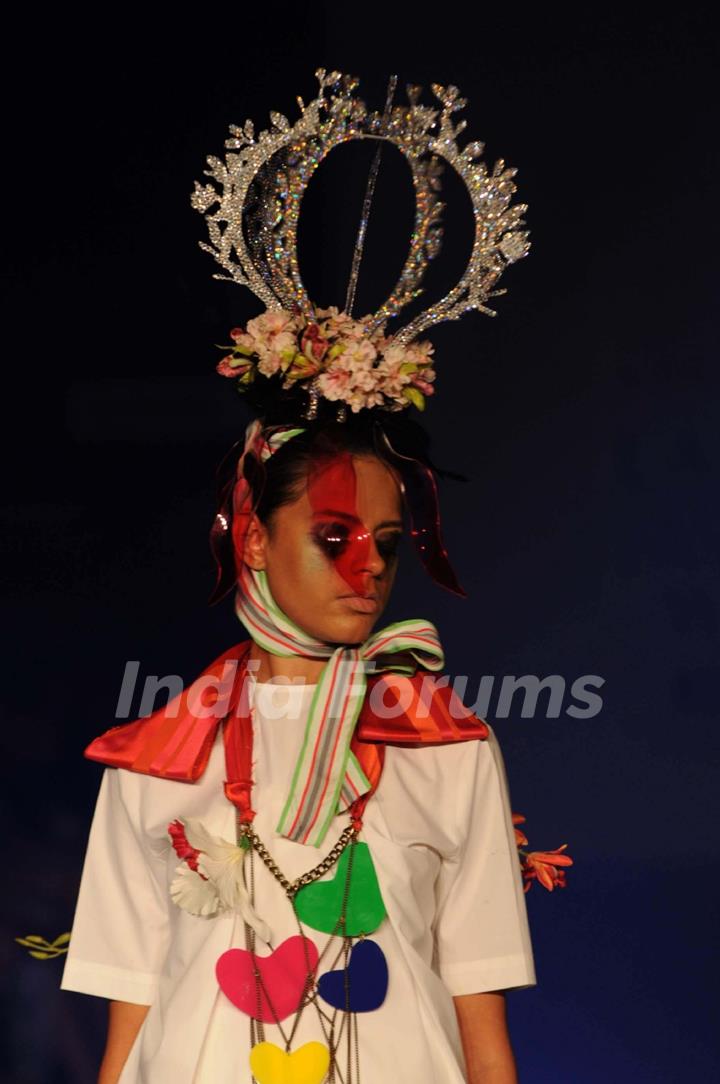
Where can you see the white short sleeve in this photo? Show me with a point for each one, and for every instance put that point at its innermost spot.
(482, 938)
(120, 931)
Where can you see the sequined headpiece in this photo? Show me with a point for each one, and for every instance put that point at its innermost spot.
(254, 239)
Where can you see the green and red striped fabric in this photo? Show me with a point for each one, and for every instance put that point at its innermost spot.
(327, 771)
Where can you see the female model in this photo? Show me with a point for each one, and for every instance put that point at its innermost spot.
(438, 828)
(303, 868)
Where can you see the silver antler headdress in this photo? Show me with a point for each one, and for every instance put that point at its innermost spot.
(254, 239)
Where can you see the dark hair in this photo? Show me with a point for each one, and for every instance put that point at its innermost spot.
(283, 475)
(360, 433)
(391, 436)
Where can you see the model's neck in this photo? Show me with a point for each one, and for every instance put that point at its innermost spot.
(292, 666)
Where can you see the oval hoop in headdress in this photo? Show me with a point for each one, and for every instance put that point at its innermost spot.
(296, 347)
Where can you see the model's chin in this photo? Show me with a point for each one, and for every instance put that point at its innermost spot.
(349, 628)
(340, 625)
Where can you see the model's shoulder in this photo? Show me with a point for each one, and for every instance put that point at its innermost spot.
(174, 741)
(418, 709)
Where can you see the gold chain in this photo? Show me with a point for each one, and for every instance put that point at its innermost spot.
(246, 831)
(257, 1031)
(247, 837)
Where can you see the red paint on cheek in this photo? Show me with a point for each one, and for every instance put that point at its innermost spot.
(332, 491)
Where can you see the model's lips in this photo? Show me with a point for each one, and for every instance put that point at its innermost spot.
(361, 604)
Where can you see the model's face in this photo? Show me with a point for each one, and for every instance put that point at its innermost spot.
(331, 555)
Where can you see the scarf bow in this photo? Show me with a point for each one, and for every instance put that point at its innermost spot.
(327, 771)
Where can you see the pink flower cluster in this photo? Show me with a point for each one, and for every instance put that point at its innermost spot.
(336, 353)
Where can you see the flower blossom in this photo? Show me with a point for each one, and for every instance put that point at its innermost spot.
(216, 883)
(181, 846)
(347, 362)
(520, 837)
(542, 866)
(313, 345)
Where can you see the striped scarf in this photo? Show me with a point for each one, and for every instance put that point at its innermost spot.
(328, 776)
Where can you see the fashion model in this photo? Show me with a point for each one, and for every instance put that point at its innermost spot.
(303, 868)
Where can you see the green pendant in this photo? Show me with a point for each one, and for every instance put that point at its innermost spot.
(319, 905)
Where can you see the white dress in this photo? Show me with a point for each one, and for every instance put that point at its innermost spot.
(440, 834)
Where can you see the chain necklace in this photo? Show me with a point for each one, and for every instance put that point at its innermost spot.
(246, 836)
(339, 1019)
(214, 878)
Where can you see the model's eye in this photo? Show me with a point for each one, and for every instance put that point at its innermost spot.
(331, 537)
(388, 545)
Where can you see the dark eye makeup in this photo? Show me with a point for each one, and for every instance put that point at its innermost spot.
(388, 545)
(333, 538)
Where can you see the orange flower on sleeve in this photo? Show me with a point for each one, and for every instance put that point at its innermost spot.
(520, 837)
(543, 866)
(547, 867)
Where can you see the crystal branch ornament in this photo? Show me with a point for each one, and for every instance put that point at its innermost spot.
(252, 206)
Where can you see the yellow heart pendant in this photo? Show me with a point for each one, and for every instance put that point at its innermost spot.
(306, 1065)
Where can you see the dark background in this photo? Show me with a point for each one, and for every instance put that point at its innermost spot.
(585, 414)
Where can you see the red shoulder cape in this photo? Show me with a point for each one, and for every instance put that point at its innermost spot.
(175, 741)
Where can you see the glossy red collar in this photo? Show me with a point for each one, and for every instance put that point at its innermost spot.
(175, 741)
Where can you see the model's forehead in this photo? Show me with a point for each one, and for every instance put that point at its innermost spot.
(350, 488)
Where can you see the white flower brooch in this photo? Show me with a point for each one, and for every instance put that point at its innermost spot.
(211, 877)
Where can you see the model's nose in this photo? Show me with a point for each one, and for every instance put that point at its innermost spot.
(373, 563)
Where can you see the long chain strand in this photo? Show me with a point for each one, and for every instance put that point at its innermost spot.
(246, 836)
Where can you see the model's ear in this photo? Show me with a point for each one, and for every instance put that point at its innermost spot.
(254, 553)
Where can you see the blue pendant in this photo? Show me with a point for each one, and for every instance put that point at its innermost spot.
(367, 980)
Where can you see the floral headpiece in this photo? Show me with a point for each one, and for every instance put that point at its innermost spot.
(335, 354)
(253, 236)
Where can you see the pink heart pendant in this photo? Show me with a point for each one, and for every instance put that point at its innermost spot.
(283, 977)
